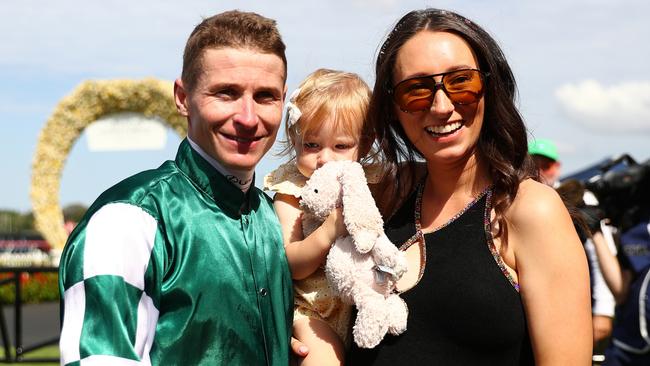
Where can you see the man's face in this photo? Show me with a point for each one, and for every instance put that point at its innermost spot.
(235, 108)
(549, 169)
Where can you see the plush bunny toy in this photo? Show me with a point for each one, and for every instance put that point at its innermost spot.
(364, 266)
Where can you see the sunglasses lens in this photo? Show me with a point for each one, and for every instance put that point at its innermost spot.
(415, 94)
(462, 87)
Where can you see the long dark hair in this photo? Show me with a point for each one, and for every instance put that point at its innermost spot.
(503, 138)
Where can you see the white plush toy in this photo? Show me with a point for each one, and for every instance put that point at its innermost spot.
(364, 266)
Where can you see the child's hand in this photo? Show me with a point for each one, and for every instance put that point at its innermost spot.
(335, 224)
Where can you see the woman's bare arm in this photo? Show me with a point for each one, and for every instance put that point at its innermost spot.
(553, 274)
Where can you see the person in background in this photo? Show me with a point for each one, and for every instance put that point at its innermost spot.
(626, 270)
(547, 160)
(184, 264)
(592, 231)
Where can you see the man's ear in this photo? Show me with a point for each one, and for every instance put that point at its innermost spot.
(180, 97)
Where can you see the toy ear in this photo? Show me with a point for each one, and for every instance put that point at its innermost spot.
(362, 218)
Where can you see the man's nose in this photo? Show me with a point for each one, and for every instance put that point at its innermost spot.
(246, 115)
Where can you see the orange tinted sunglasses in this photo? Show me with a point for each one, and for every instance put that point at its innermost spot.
(461, 86)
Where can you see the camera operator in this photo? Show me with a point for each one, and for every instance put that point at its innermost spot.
(624, 198)
(587, 223)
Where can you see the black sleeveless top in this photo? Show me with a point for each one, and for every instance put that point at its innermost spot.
(465, 309)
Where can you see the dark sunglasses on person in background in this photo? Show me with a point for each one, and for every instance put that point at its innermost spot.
(461, 86)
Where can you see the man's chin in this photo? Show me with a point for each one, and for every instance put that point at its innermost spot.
(240, 158)
(241, 162)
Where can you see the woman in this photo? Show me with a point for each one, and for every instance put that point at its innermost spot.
(497, 274)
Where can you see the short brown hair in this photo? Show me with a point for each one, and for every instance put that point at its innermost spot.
(234, 29)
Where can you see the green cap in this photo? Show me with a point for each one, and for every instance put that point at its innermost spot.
(543, 147)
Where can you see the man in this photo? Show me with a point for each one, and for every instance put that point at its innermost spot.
(184, 264)
(546, 157)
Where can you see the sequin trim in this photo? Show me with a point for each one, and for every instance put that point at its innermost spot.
(418, 237)
(490, 240)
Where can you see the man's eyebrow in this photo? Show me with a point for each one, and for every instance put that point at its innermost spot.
(268, 89)
(224, 86)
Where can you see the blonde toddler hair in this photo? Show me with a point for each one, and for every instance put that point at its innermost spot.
(330, 94)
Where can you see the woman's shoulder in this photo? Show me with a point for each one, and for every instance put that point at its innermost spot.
(540, 227)
(535, 202)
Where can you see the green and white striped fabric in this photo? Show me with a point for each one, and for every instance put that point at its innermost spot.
(176, 266)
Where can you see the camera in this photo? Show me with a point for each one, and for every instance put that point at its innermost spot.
(622, 187)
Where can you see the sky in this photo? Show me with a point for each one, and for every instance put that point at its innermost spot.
(582, 67)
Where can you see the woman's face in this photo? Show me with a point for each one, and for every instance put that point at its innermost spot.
(446, 132)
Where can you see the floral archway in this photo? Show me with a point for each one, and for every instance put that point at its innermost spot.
(90, 101)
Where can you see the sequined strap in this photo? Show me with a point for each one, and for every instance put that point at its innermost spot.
(418, 227)
(418, 208)
(418, 237)
(490, 241)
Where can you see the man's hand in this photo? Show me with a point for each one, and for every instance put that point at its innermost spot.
(602, 327)
(299, 349)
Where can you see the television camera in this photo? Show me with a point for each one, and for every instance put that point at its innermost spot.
(622, 187)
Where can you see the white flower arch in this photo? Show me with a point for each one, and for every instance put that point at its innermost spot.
(88, 102)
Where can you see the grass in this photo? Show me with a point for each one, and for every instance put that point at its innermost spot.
(45, 352)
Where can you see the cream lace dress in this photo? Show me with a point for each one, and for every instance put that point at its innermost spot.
(313, 296)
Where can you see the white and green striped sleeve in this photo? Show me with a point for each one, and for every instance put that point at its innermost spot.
(110, 314)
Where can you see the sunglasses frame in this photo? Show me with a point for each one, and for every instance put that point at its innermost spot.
(440, 85)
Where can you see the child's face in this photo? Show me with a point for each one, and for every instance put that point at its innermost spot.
(326, 144)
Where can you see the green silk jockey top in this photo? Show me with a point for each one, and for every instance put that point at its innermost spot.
(176, 266)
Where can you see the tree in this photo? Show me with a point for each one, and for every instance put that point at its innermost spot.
(14, 222)
(74, 212)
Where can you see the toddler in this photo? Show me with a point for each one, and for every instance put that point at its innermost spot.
(325, 121)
